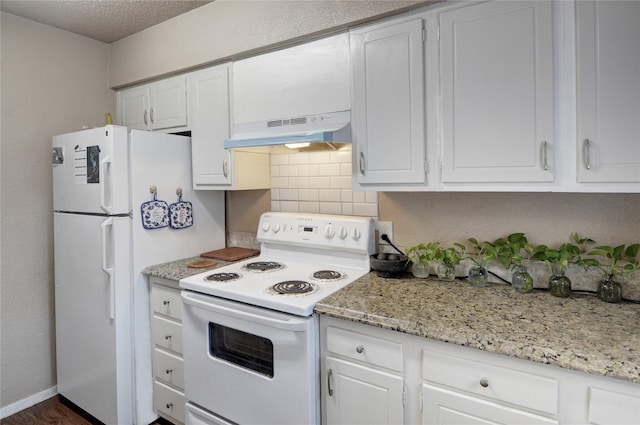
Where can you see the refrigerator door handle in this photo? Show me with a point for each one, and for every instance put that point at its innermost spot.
(103, 183)
(108, 223)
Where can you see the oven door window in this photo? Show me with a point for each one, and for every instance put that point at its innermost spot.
(240, 348)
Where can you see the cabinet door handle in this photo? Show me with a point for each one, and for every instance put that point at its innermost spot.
(167, 337)
(545, 163)
(362, 164)
(169, 405)
(165, 302)
(152, 114)
(484, 382)
(225, 167)
(329, 374)
(586, 153)
(146, 122)
(360, 349)
(168, 371)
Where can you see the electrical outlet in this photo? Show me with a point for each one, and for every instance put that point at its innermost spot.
(385, 228)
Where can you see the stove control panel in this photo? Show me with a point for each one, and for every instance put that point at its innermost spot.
(339, 232)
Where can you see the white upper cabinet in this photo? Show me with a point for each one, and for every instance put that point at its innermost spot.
(497, 93)
(156, 106)
(388, 108)
(310, 78)
(608, 91)
(215, 167)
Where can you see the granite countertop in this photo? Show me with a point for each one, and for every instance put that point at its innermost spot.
(581, 332)
(176, 270)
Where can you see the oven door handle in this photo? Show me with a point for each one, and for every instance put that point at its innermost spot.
(291, 323)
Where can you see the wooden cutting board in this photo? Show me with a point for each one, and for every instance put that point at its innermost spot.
(232, 253)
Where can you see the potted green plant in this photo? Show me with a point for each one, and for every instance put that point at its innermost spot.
(448, 259)
(421, 256)
(513, 252)
(617, 262)
(482, 254)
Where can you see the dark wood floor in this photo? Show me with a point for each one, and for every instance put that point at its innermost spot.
(56, 410)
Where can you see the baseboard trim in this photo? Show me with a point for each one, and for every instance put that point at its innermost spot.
(25, 403)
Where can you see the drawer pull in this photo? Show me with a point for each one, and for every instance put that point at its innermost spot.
(360, 349)
(165, 302)
(169, 405)
(329, 374)
(167, 337)
(484, 382)
(168, 371)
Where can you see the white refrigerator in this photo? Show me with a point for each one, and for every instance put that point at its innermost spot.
(117, 211)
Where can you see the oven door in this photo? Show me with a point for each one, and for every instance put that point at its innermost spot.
(250, 365)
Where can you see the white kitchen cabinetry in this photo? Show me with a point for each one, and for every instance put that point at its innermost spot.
(388, 108)
(166, 336)
(156, 106)
(362, 379)
(375, 375)
(310, 78)
(608, 107)
(215, 167)
(497, 93)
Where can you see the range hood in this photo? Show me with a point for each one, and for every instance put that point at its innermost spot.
(330, 128)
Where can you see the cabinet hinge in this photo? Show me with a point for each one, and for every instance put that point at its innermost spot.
(426, 167)
(424, 35)
(404, 397)
(421, 400)
(438, 32)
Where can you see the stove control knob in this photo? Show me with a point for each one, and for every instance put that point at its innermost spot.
(343, 232)
(329, 231)
(276, 228)
(356, 234)
(265, 226)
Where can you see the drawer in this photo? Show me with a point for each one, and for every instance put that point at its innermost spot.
(166, 301)
(369, 349)
(168, 401)
(611, 407)
(166, 333)
(168, 368)
(494, 382)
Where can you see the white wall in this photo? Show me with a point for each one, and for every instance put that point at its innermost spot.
(52, 82)
(231, 28)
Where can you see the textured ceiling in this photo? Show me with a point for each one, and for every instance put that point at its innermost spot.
(103, 20)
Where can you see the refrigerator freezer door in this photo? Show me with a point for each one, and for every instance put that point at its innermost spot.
(91, 171)
(93, 314)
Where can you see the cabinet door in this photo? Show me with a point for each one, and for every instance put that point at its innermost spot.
(497, 92)
(209, 110)
(168, 102)
(608, 112)
(388, 103)
(445, 407)
(134, 106)
(357, 394)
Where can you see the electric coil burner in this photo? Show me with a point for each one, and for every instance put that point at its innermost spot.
(263, 266)
(327, 276)
(223, 277)
(293, 288)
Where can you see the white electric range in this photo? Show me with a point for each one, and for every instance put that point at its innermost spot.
(249, 333)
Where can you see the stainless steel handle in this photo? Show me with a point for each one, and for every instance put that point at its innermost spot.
(152, 114)
(360, 349)
(166, 302)
(146, 122)
(586, 153)
(168, 371)
(225, 168)
(545, 163)
(329, 374)
(362, 165)
(484, 382)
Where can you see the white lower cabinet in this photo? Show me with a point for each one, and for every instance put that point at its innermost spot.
(166, 337)
(371, 375)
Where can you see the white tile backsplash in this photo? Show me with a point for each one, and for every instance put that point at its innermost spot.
(318, 182)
